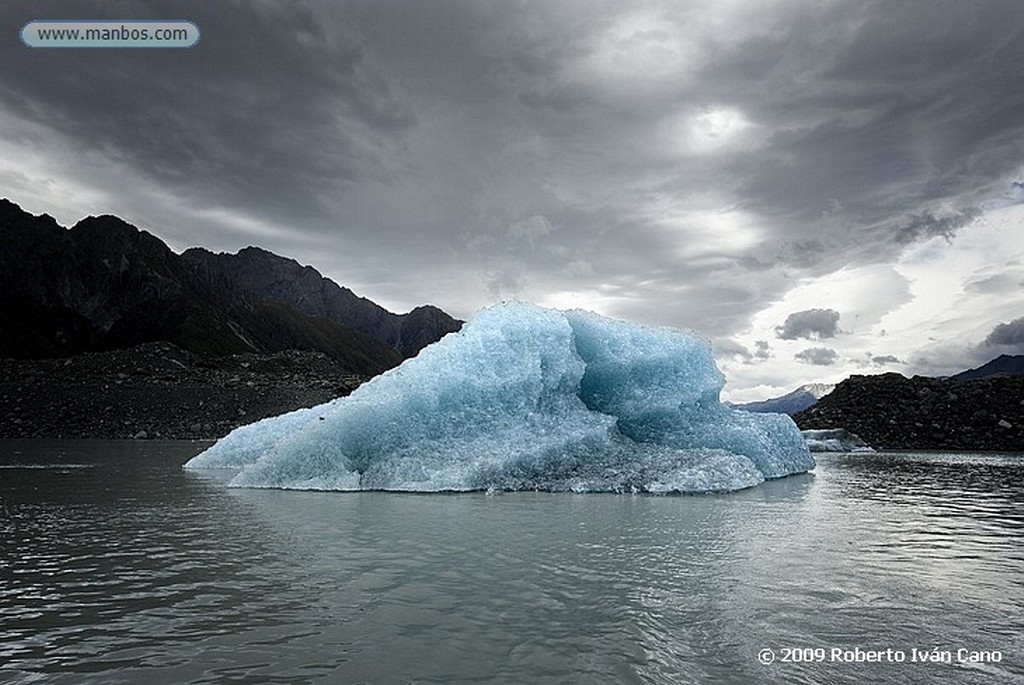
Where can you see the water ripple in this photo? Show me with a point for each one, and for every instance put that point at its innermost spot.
(132, 570)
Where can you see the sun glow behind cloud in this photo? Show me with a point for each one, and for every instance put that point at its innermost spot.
(722, 232)
(713, 130)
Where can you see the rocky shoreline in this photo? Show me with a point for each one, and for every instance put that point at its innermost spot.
(158, 390)
(890, 411)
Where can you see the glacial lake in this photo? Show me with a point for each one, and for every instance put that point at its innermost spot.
(116, 566)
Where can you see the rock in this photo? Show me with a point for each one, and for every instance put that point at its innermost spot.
(71, 397)
(890, 411)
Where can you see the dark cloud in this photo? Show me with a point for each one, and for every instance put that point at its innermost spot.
(562, 99)
(812, 324)
(926, 225)
(730, 348)
(676, 163)
(726, 347)
(817, 356)
(884, 359)
(273, 109)
(898, 115)
(1007, 335)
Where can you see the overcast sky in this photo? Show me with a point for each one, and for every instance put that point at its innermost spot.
(822, 188)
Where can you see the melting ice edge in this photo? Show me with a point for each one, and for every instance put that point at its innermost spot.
(526, 398)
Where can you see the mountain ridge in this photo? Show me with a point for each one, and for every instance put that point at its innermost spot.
(105, 284)
(1003, 365)
(286, 281)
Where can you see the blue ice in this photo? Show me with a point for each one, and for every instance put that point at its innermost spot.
(526, 398)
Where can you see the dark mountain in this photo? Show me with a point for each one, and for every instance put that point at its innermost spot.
(1003, 365)
(890, 411)
(104, 284)
(273, 278)
(792, 402)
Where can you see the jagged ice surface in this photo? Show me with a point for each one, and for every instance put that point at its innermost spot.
(526, 398)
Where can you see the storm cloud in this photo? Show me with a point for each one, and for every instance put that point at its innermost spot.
(682, 164)
(818, 356)
(1009, 334)
(811, 324)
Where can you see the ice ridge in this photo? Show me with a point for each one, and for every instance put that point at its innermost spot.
(526, 398)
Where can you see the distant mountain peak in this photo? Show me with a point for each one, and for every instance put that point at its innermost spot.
(792, 402)
(1003, 365)
(819, 390)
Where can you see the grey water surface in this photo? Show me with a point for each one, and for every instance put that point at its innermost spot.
(116, 566)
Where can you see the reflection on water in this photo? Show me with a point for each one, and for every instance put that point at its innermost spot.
(132, 569)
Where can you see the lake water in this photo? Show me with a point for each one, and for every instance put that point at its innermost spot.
(116, 566)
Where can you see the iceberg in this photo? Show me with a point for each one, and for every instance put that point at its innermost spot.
(835, 440)
(526, 398)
